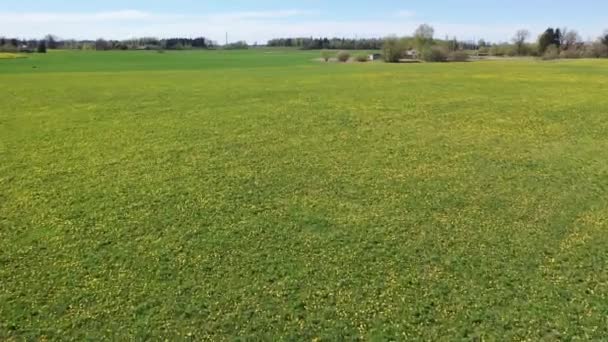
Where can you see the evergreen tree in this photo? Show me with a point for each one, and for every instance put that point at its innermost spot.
(41, 47)
(557, 38)
(546, 39)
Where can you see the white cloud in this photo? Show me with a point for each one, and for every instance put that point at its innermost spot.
(405, 14)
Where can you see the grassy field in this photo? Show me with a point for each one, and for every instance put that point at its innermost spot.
(263, 195)
(121, 61)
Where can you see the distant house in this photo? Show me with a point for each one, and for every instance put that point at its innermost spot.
(25, 49)
(375, 57)
(411, 54)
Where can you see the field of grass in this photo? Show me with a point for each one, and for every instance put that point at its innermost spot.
(121, 61)
(263, 195)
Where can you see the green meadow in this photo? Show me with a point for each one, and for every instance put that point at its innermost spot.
(263, 195)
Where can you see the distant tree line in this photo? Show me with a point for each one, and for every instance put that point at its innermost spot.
(27, 45)
(553, 43)
(240, 45)
(328, 43)
(149, 43)
(52, 42)
(348, 43)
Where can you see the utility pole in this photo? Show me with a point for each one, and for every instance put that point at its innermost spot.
(226, 38)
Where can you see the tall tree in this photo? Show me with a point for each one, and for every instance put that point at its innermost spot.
(424, 36)
(51, 41)
(548, 38)
(453, 44)
(570, 39)
(562, 36)
(101, 45)
(393, 49)
(558, 37)
(520, 41)
(41, 47)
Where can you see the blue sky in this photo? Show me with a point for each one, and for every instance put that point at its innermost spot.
(258, 21)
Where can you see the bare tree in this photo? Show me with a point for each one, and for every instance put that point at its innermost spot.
(562, 36)
(570, 39)
(425, 31)
(52, 41)
(520, 41)
(424, 36)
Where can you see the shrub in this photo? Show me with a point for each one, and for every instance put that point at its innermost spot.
(503, 50)
(570, 53)
(362, 58)
(343, 56)
(435, 54)
(595, 50)
(326, 55)
(8, 48)
(484, 51)
(589, 53)
(496, 51)
(534, 51)
(602, 50)
(458, 56)
(393, 49)
(552, 52)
